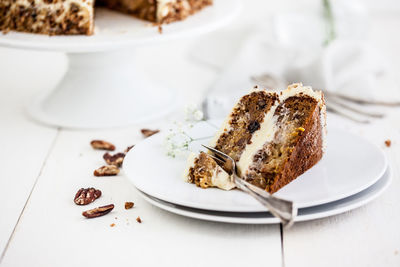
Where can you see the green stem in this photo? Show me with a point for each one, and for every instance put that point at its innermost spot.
(330, 22)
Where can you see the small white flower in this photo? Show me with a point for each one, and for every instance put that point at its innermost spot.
(193, 114)
(177, 142)
(198, 115)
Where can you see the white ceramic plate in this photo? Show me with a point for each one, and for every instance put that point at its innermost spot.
(306, 214)
(350, 165)
(114, 30)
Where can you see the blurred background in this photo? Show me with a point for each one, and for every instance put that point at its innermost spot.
(347, 46)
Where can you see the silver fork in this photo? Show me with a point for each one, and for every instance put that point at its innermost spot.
(283, 209)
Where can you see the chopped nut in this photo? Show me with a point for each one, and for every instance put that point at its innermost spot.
(116, 159)
(148, 132)
(129, 205)
(112, 225)
(97, 212)
(86, 196)
(109, 170)
(388, 143)
(129, 148)
(100, 144)
(139, 220)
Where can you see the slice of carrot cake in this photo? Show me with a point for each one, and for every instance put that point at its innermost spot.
(274, 137)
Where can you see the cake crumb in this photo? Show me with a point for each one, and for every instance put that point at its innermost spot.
(129, 205)
(388, 143)
(112, 225)
(139, 220)
(129, 148)
(149, 132)
(160, 29)
(116, 218)
(396, 252)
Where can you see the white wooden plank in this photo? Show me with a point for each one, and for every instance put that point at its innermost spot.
(368, 236)
(23, 144)
(52, 231)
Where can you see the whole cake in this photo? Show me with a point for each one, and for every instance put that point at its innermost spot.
(56, 17)
(273, 137)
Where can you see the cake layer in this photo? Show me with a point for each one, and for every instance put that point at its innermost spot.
(243, 123)
(47, 16)
(203, 171)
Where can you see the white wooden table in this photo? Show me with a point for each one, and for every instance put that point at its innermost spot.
(42, 168)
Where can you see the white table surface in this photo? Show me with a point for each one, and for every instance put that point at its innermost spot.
(42, 168)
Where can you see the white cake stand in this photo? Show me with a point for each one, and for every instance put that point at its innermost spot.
(103, 87)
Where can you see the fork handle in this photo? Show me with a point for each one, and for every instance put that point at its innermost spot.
(285, 210)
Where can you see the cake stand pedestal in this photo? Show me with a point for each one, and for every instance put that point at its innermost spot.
(102, 86)
(103, 89)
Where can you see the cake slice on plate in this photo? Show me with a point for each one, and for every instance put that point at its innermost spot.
(274, 137)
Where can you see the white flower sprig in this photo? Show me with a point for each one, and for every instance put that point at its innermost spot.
(193, 114)
(177, 142)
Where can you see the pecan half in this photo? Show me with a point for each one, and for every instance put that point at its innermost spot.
(109, 170)
(101, 144)
(148, 132)
(116, 159)
(99, 211)
(129, 205)
(86, 196)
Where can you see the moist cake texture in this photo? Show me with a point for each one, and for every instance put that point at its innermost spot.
(56, 17)
(275, 137)
(47, 16)
(204, 172)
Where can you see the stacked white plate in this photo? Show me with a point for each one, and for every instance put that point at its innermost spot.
(352, 173)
